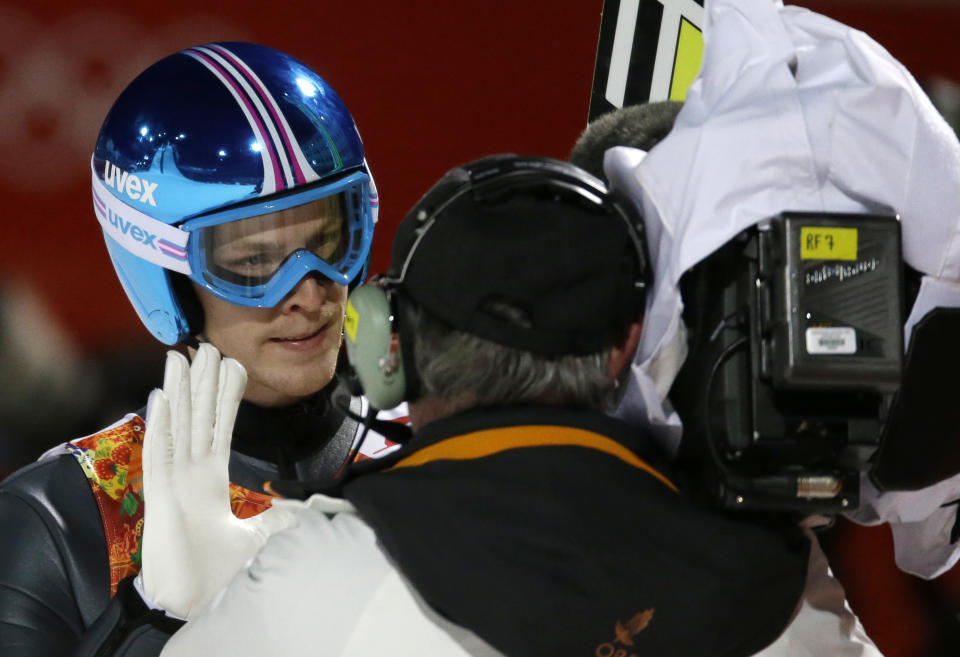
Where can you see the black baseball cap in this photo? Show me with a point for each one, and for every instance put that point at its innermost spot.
(529, 234)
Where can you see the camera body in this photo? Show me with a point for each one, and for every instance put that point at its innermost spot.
(796, 356)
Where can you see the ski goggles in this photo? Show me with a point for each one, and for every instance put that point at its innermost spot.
(254, 254)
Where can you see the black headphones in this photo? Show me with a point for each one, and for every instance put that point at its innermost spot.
(380, 354)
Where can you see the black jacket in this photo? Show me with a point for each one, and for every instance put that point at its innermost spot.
(551, 531)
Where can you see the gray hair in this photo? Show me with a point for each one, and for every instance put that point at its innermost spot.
(465, 370)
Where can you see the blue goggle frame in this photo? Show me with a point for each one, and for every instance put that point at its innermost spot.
(300, 263)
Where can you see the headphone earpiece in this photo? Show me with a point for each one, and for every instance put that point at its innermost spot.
(373, 345)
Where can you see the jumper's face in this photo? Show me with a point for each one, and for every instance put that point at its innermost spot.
(290, 350)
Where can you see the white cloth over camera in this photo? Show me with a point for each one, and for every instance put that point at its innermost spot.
(795, 111)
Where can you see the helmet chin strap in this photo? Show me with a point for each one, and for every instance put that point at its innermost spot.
(398, 433)
(392, 431)
(365, 421)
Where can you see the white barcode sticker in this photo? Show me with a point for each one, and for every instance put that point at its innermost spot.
(831, 340)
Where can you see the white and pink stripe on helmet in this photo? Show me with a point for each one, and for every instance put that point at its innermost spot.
(284, 163)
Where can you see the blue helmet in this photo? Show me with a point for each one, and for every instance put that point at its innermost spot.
(235, 165)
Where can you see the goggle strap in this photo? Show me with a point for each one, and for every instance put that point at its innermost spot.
(139, 233)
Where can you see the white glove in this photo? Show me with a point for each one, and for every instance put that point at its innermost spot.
(192, 542)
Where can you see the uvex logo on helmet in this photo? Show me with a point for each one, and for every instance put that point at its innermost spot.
(130, 184)
(129, 228)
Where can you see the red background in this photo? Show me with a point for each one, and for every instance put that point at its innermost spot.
(431, 85)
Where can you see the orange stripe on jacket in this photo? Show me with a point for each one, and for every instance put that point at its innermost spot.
(492, 441)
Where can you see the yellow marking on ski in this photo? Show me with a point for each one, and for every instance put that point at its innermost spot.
(686, 63)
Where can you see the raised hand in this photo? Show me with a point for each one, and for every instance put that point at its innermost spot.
(192, 542)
